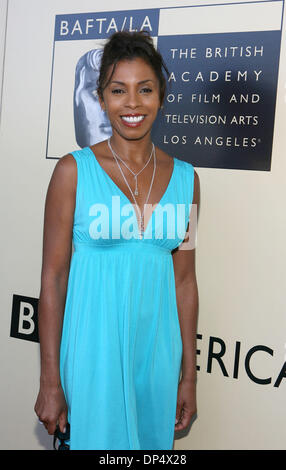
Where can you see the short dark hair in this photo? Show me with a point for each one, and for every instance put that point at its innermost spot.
(125, 45)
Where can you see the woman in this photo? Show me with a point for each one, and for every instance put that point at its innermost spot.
(117, 321)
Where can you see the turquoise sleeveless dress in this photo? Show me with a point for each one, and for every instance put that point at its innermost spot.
(121, 346)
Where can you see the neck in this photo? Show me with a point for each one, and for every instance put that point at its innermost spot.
(137, 151)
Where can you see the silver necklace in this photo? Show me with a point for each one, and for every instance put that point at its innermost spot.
(141, 214)
(136, 192)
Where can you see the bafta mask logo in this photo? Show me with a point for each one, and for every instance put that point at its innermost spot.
(91, 123)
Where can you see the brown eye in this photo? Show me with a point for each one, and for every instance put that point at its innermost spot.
(146, 90)
(117, 91)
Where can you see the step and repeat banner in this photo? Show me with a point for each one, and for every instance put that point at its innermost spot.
(225, 113)
(221, 88)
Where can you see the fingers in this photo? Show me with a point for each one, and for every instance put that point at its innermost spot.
(183, 419)
(181, 424)
(179, 412)
(51, 426)
(51, 409)
(50, 423)
(63, 421)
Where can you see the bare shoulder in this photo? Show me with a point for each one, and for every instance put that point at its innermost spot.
(66, 164)
(63, 182)
(66, 170)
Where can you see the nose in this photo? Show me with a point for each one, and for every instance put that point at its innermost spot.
(132, 99)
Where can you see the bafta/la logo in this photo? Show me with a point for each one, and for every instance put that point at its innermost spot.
(168, 221)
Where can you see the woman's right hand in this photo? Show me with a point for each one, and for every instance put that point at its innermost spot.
(51, 408)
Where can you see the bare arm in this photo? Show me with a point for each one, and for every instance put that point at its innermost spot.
(187, 302)
(57, 244)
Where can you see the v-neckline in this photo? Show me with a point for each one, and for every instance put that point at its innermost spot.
(127, 198)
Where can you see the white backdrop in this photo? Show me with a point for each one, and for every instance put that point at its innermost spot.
(240, 254)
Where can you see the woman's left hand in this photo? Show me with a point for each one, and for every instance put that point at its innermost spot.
(186, 404)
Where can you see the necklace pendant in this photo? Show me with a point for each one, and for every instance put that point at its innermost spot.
(141, 230)
(136, 187)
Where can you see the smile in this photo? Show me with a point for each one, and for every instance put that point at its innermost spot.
(133, 120)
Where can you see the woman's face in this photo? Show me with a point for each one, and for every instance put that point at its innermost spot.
(131, 99)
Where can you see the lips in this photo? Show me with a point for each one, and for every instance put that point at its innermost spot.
(132, 120)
